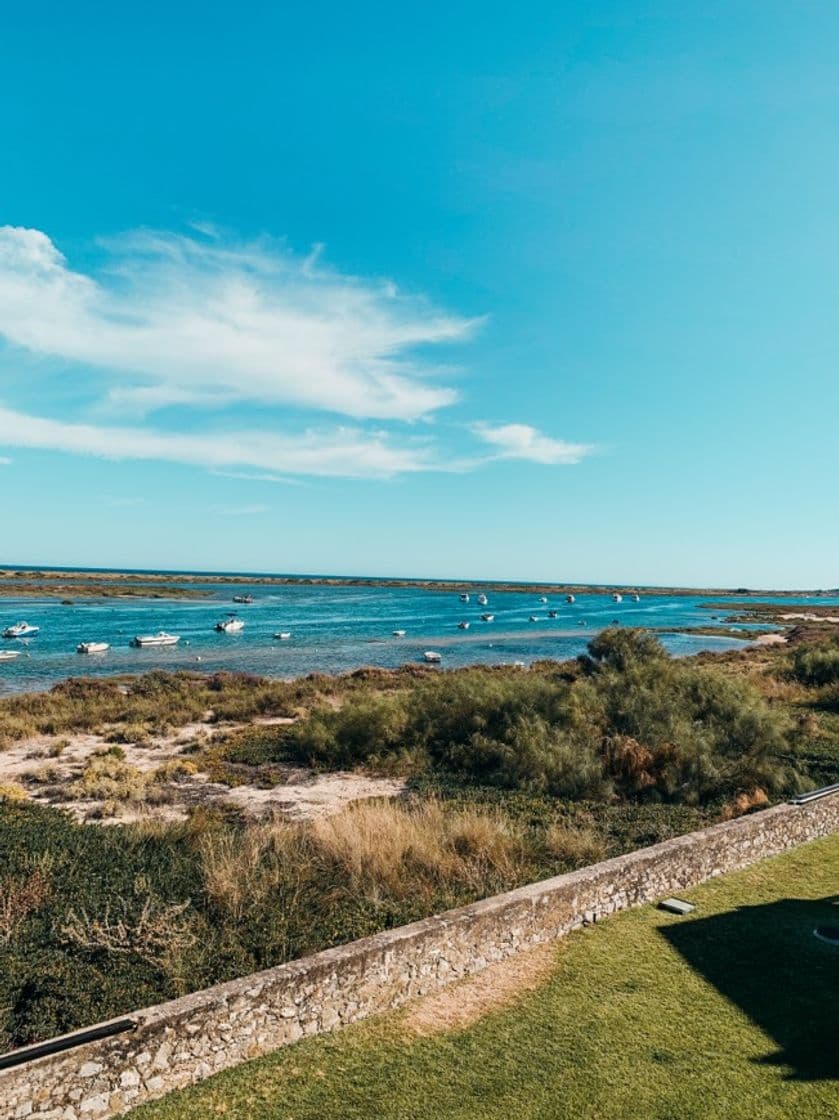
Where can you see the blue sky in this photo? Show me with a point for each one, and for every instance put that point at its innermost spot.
(538, 291)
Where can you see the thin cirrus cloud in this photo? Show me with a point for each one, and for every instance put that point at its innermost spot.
(217, 327)
(340, 452)
(178, 320)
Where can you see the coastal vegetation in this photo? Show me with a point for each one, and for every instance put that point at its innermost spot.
(507, 775)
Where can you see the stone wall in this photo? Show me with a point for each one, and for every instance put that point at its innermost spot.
(188, 1039)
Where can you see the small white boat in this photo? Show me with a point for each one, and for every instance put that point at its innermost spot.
(161, 638)
(399, 633)
(487, 618)
(543, 599)
(243, 599)
(464, 598)
(553, 614)
(21, 630)
(534, 618)
(283, 635)
(482, 600)
(433, 657)
(570, 599)
(636, 598)
(92, 647)
(463, 625)
(231, 625)
(9, 654)
(617, 597)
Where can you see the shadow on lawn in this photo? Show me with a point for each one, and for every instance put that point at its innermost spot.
(766, 960)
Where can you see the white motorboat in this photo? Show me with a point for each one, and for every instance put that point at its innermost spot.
(433, 657)
(463, 625)
(243, 599)
(482, 600)
(617, 597)
(283, 635)
(399, 633)
(487, 618)
(464, 598)
(534, 618)
(553, 614)
(543, 598)
(231, 625)
(92, 647)
(161, 638)
(21, 630)
(9, 654)
(570, 599)
(636, 598)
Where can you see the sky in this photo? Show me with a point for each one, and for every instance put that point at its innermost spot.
(536, 291)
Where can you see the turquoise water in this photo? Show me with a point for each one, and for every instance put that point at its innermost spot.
(334, 629)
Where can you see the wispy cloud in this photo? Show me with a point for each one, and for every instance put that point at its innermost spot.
(246, 330)
(250, 476)
(5, 461)
(177, 320)
(521, 441)
(339, 452)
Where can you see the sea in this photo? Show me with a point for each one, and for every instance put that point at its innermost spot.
(335, 629)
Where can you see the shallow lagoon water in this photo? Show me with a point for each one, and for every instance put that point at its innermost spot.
(334, 629)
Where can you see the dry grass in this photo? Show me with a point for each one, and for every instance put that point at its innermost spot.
(158, 934)
(372, 848)
(399, 848)
(744, 802)
(577, 846)
(13, 791)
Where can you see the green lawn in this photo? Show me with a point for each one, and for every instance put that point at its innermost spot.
(731, 1012)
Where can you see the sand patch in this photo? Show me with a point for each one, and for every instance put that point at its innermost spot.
(770, 640)
(465, 1001)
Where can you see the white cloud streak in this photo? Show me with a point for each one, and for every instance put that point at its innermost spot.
(237, 329)
(341, 452)
(178, 320)
(521, 441)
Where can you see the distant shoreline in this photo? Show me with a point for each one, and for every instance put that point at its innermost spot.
(48, 582)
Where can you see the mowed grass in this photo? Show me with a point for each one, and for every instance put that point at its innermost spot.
(731, 1012)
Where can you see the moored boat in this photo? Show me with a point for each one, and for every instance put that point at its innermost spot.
(161, 638)
(21, 630)
(534, 618)
(482, 600)
(231, 625)
(487, 618)
(9, 654)
(283, 635)
(570, 599)
(464, 598)
(543, 598)
(553, 614)
(399, 633)
(92, 647)
(617, 597)
(243, 599)
(463, 625)
(432, 656)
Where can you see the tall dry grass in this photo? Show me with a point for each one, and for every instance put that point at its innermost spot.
(373, 849)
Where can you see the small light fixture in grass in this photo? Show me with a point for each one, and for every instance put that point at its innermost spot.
(676, 906)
